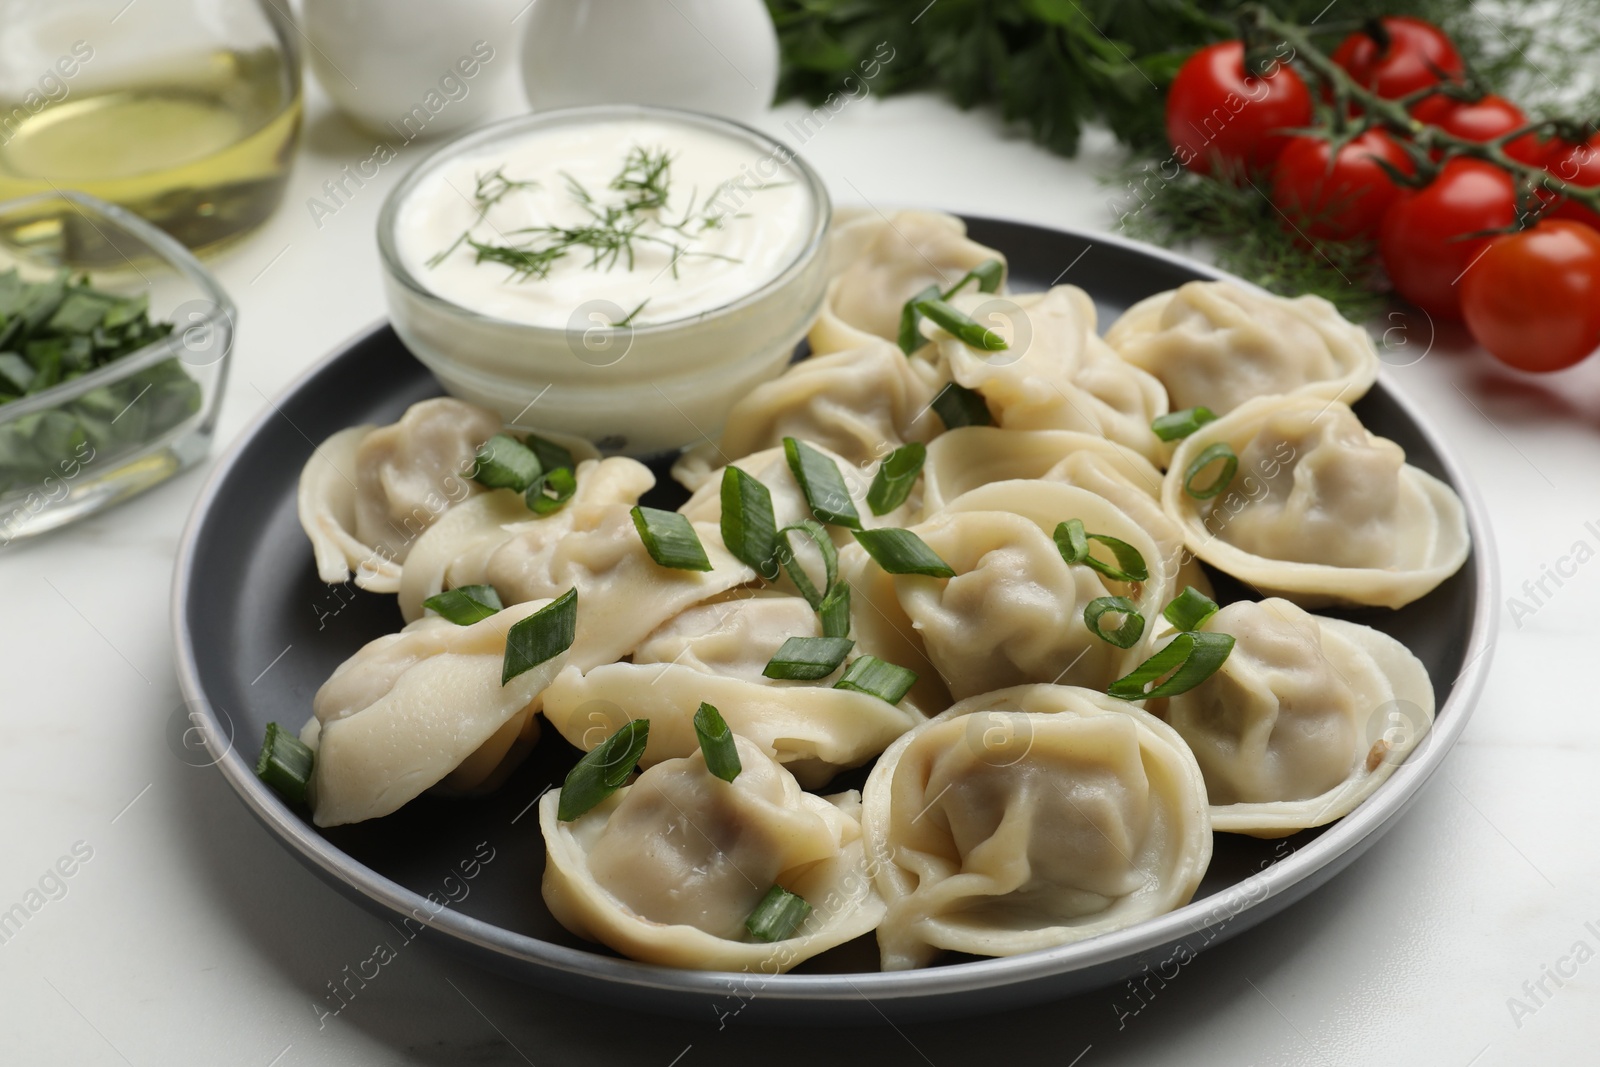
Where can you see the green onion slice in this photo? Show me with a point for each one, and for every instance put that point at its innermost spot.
(749, 528)
(1212, 453)
(911, 337)
(506, 463)
(603, 771)
(903, 552)
(959, 406)
(1190, 659)
(1180, 424)
(896, 475)
(778, 916)
(542, 636)
(465, 604)
(551, 455)
(1189, 609)
(961, 326)
(988, 274)
(716, 743)
(797, 574)
(550, 491)
(285, 764)
(1073, 542)
(822, 484)
(878, 678)
(806, 659)
(1124, 636)
(835, 611)
(670, 539)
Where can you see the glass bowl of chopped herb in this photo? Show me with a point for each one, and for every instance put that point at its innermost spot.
(108, 382)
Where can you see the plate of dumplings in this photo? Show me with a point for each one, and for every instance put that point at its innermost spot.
(1065, 607)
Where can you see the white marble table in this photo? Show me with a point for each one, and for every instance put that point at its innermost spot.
(185, 935)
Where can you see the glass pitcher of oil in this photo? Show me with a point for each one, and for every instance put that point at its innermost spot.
(186, 112)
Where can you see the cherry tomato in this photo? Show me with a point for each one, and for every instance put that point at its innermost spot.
(1338, 197)
(1217, 112)
(1416, 55)
(1422, 240)
(1533, 298)
(1483, 120)
(1576, 164)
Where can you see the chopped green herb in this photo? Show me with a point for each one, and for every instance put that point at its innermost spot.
(604, 770)
(550, 491)
(903, 552)
(552, 456)
(822, 484)
(878, 678)
(1218, 451)
(465, 604)
(959, 406)
(1073, 543)
(835, 611)
(806, 659)
(503, 462)
(1180, 424)
(910, 335)
(541, 637)
(778, 916)
(1190, 659)
(1125, 636)
(896, 475)
(748, 527)
(988, 274)
(285, 764)
(670, 539)
(961, 326)
(716, 743)
(1189, 609)
(797, 573)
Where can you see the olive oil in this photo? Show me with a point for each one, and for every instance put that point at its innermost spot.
(204, 152)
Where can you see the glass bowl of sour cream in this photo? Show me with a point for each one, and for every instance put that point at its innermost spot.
(622, 272)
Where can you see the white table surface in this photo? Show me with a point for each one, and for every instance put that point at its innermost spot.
(191, 937)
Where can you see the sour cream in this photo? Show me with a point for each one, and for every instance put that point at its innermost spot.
(731, 222)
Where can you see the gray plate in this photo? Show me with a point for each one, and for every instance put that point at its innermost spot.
(245, 590)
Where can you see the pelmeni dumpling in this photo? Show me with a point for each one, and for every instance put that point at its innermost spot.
(734, 635)
(1218, 344)
(859, 404)
(1028, 818)
(668, 869)
(422, 707)
(1014, 611)
(1320, 511)
(1305, 718)
(367, 494)
(1055, 373)
(890, 260)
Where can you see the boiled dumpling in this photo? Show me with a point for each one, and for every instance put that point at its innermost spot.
(1055, 373)
(668, 869)
(1029, 818)
(860, 404)
(1218, 344)
(1320, 510)
(411, 709)
(734, 635)
(1303, 720)
(885, 261)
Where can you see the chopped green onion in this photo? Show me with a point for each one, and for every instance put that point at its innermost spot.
(1212, 453)
(797, 574)
(988, 274)
(550, 491)
(805, 659)
(506, 463)
(911, 337)
(542, 636)
(465, 604)
(778, 916)
(716, 743)
(551, 455)
(1124, 636)
(1189, 609)
(603, 771)
(670, 539)
(749, 528)
(903, 552)
(896, 475)
(285, 764)
(822, 484)
(959, 406)
(1180, 424)
(1074, 545)
(961, 326)
(1191, 658)
(835, 611)
(878, 678)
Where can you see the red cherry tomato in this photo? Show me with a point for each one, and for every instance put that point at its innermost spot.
(1422, 240)
(1576, 164)
(1533, 298)
(1341, 197)
(1483, 120)
(1218, 113)
(1416, 55)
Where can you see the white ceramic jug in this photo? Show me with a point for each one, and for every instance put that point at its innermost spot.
(717, 56)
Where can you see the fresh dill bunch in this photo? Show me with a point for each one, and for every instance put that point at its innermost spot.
(646, 177)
